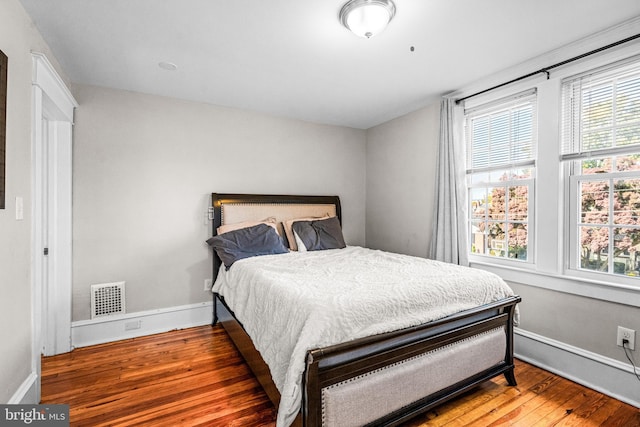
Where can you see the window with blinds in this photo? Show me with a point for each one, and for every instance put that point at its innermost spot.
(601, 149)
(602, 112)
(501, 152)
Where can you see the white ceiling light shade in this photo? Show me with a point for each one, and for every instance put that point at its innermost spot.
(366, 18)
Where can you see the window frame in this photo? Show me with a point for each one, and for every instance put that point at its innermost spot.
(574, 224)
(494, 106)
(530, 223)
(572, 155)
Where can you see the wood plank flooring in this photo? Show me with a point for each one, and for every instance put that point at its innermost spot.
(195, 377)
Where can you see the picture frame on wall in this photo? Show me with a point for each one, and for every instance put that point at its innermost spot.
(3, 126)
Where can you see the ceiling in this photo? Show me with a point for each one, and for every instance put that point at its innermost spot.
(293, 58)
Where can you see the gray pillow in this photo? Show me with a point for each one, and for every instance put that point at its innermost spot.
(247, 242)
(321, 234)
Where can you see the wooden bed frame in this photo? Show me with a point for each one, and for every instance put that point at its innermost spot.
(334, 365)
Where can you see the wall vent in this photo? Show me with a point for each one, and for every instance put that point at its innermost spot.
(107, 299)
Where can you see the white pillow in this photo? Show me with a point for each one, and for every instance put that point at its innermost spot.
(299, 243)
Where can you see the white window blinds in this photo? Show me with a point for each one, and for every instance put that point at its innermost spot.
(602, 112)
(503, 134)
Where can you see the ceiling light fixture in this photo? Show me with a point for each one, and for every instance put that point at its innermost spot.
(366, 18)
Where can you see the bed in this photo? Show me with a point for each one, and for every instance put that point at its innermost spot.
(373, 368)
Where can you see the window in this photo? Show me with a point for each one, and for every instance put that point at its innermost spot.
(601, 151)
(501, 150)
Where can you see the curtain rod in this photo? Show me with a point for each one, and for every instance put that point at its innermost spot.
(546, 69)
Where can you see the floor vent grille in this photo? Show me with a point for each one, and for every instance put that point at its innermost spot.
(107, 299)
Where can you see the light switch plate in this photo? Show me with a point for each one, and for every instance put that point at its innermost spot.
(19, 208)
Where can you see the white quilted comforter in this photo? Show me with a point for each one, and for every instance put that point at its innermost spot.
(294, 302)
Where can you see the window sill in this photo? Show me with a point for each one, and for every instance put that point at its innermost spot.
(606, 291)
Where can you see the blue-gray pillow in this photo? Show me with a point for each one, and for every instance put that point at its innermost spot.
(247, 242)
(320, 234)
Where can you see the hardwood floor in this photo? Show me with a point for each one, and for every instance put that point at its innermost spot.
(195, 377)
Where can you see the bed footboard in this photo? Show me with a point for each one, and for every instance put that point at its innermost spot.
(390, 378)
(387, 381)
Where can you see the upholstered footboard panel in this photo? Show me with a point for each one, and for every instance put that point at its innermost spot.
(368, 397)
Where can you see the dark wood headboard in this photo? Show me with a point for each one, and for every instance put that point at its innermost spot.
(261, 206)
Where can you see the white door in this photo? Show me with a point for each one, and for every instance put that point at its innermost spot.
(52, 233)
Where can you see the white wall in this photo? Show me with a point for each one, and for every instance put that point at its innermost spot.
(401, 162)
(144, 167)
(18, 38)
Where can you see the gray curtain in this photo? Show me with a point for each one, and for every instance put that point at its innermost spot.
(449, 241)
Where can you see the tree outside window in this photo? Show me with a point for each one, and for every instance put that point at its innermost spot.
(500, 215)
(609, 221)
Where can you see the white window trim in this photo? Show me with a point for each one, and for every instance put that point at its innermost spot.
(573, 247)
(576, 285)
(487, 107)
(571, 155)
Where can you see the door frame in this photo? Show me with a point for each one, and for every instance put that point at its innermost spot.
(52, 134)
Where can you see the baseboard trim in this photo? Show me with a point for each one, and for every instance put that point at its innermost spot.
(598, 372)
(26, 393)
(131, 325)
(601, 373)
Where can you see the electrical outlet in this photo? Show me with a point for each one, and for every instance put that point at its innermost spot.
(135, 324)
(208, 283)
(627, 334)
